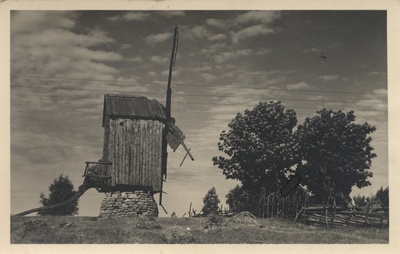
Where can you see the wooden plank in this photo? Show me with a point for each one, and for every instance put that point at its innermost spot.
(113, 147)
(126, 154)
(140, 154)
(146, 155)
(151, 153)
(117, 149)
(137, 159)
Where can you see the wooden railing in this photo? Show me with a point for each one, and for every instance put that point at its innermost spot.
(97, 173)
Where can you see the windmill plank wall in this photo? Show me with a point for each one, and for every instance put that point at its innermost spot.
(134, 147)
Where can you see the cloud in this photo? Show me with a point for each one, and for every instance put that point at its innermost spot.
(170, 14)
(231, 55)
(382, 92)
(311, 50)
(215, 23)
(136, 16)
(159, 59)
(208, 77)
(156, 38)
(56, 51)
(37, 20)
(249, 32)
(263, 51)
(201, 32)
(376, 73)
(136, 59)
(300, 85)
(217, 37)
(331, 77)
(264, 17)
(125, 46)
(211, 49)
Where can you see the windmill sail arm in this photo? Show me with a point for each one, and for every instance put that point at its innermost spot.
(175, 137)
(187, 150)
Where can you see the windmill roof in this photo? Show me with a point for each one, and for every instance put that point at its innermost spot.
(126, 106)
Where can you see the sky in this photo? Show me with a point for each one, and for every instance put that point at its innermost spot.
(62, 64)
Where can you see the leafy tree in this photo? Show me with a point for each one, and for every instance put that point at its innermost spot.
(360, 200)
(335, 154)
(259, 147)
(382, 196)
(211, 202)
(60, 190)
(238, 200)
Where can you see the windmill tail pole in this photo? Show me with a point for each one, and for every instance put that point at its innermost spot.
(172, 63)
(82, 189)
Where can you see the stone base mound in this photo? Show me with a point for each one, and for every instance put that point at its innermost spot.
(128, 204)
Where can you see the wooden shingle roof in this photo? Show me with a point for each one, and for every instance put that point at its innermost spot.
(125, 106)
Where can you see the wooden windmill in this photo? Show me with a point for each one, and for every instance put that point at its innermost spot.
(137, 131)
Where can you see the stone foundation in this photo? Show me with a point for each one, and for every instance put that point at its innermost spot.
(129, 204)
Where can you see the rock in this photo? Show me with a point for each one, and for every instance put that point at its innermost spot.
(177, 234)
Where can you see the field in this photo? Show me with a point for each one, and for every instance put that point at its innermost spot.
(92, 230)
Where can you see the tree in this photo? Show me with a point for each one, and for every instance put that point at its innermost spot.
(360, 200)
(382, 197)
(259, 147)
(60, 190)
(239, 200)
(211, 202)
(335, 154)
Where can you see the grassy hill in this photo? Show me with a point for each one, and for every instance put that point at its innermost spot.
(88, 230)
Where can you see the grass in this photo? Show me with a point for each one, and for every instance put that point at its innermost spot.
(91, 230)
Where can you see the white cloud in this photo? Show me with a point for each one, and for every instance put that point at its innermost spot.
(36, 20)
(172, 13)
(213, 48)
(381, 91)
(49, 48)
(264, 17)
(249, 32)
(231, 55)
(331, 77)
(311, 50)
(156, 38)
(300, 85)
(136, 16)
(201, 32)
(216, 37)
(263, 51)
(208, 77)
(125, 46)
(215, 23)
(159, 59)
(136, 59)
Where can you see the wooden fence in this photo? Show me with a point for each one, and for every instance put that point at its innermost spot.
(344, 217)
(296, 207)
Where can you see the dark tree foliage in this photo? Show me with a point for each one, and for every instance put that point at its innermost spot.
(211, 202)
(335, 154)
(60, 190)
(360, 200)
(382, 197)
(259, 147)
(238, 200)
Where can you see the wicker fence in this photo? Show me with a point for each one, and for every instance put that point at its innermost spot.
(344, 217)
(296, 207)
